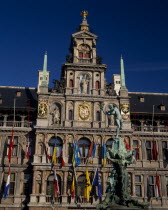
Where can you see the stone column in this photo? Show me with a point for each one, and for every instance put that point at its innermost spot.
(158, 126)
(5, 120)
(142, 125)
(22, 120)
(143, 149)
(163, 189)
(160, 153)
(17, 197)
(33, 195)
(42, 195)
(145, 188)
(64, 194)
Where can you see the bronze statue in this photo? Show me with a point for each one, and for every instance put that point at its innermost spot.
(113, 110)
(117, 194)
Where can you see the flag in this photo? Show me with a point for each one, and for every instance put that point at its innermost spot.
(154, 151)
(63, 155)
(97, 182)
(73, 187)
(7, 185)
(127, 145)
(27, 148)
(56, 183)
(48, 151)
(103, 154)
(136, 153)
(94, 150)
(76, 154)
(54, 156)
(90, 149)
(87, 186)
(157, 187)
(11, 147)
(91, 153)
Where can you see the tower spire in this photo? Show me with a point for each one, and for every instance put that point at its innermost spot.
(44, 81)
(122, 73)
(84, 25)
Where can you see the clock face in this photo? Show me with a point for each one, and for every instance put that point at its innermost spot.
(84, 111)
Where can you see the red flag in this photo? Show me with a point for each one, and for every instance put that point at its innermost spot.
(56, 183)
(154, 151)
(157, 185)
(127, 145)
(11, 146)
(90, 149)
(27, 150)
(48, 151)
(137, 153)
(63, 155)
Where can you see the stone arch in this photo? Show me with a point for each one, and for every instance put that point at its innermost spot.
(50, 189)
(58, 142)
(84, 145)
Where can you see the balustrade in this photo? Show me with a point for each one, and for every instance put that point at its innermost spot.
(15, 124)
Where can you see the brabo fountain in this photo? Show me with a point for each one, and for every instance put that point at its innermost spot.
(117, 195)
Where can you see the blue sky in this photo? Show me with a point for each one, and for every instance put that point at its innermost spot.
(137, 29)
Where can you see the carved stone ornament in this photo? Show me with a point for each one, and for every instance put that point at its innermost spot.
(84, 111)
(42, 110)
(125, 112)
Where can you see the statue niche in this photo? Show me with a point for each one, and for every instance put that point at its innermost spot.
(84, 83)
(55, 114)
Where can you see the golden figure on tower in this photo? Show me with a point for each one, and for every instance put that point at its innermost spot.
(84, 14)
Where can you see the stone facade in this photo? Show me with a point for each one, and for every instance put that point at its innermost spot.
(71, 111)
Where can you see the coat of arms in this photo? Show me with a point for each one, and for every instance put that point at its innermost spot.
(84, 111)
(125, 111)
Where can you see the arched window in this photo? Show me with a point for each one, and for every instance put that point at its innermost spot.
(98, 118)
(50, 190)
(59, 144)
(81, 186)
(71, 83)
(84, 145)
(70, 114)
(97, 85)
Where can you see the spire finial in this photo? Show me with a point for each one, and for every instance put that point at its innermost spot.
(84, 25)
(122, 72)
(45, 62)
(84, 14)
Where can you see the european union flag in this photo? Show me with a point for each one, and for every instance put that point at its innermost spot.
(76, 154)
(97, 182)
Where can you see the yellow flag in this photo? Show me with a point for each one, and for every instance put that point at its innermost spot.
(73, 188)
(104, 162)
(54, 156)
(88, 186)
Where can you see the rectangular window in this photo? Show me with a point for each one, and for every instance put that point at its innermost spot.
(165, 150)
(12, 183)
(151, 152)
(18, 93)
(26, 184)
(167, 184)
(162, 108)
(152, 186)
(15, 145)
(87, 55)
(138, 185)
(80, 54)
(142, 99)
(136, 149)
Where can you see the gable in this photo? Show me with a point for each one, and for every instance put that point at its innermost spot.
(82, 34)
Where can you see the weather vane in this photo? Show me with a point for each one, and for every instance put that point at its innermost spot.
(84, 14)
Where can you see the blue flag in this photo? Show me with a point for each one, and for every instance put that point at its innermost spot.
(94, 150)
(76, 154)
(97, 182)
